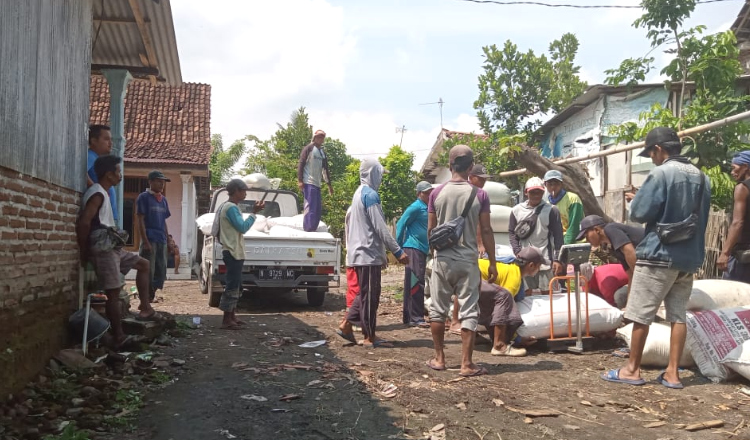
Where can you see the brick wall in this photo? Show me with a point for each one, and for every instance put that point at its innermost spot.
(38, 274)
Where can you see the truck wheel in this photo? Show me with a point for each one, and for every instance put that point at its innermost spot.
(202, 281)
(316, 295)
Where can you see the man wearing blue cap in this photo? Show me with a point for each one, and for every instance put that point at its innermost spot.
(411, 235)
(735, 255)
(568, 203)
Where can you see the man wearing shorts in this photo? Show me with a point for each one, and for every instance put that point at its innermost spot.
(91, 229)
(664, 271)
(455, 270)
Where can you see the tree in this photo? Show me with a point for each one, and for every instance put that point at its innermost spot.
(517, 87)
(221, 162)
(398, 188)
(705, 69)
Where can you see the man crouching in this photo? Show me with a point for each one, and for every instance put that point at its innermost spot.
(97, 243)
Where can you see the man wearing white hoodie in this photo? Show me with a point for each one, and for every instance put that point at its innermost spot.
(367, 237)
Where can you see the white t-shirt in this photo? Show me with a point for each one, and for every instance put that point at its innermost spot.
(106, 218)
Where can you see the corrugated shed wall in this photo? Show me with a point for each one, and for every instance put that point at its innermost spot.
(45, 64)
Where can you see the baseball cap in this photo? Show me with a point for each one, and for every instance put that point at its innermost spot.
(157, 175)
(423, 186)
(532, 254)
(479, 170)
(659, 136)
(588, 222)
(533, 183)
(461, 153)
(553, 175)
(235, 185)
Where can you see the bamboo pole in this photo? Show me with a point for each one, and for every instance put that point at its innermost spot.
(620, 148)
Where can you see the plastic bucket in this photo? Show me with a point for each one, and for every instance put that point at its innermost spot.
(98, 325)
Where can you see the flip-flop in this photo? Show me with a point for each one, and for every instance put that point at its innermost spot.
(381, 343)
(479, 372)
(155, 317)
(433, 367)
(675, 386)
(614, 376)
(230, 327)
(348, 336)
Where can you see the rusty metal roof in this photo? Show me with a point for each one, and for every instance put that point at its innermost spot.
(136, 34)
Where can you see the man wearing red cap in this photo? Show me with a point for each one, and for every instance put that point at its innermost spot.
(312, 170)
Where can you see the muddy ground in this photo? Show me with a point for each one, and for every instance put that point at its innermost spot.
(236, 379)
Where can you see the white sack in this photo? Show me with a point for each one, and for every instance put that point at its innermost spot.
(656, 351)
(535, 314)
(499, 218)
(206, 221)
(502, 250)
(713, 334)
(718, 294)
(257, 181)
(295, 222)
(739, 359)
(498, 193)
(285, 231)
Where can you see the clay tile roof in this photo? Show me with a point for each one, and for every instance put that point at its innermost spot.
(163, 123)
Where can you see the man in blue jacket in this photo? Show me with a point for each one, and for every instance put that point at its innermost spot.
(673, 191)
(411, 235)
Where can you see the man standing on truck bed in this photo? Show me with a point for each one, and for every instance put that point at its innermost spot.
(312, 170)
(366, 239)
(232, 228)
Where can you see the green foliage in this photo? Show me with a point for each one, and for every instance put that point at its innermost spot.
(70, 432)
(630, 72)
(515, 87)
(334, 210)
(222, 161)
(711, 64)
(398, 188)
(496, 152)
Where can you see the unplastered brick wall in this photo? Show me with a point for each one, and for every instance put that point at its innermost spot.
(38, 274)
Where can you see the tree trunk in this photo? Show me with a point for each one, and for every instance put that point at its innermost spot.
(575, 179)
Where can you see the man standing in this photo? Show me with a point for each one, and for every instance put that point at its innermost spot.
(621, 239)
(671, 194)
(100, 144)
(455, 270)
(153, 211)
(108, 258)
(537, 223)
(568, 204)
(366, 239)
(232, 228)
(411, 235)
(478, 175)
(737, 244)
(311, 171)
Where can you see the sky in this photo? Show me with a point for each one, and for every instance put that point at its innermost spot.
(363, 68)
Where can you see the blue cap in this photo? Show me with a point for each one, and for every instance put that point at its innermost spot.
(553, 175)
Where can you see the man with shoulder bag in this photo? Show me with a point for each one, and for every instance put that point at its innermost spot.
(735, 256)
(674, 203)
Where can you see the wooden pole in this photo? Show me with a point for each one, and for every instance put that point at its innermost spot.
(622, 147)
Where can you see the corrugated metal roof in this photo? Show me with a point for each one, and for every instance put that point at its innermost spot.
(119, 41)
(741, 26)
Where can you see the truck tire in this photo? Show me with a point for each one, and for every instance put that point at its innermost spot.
(202, 281)
(316, 295)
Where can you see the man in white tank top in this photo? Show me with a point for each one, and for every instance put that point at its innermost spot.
(96, 215)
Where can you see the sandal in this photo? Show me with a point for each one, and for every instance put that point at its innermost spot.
(432, 366)
(380, 343)
(478, 372)
(154, 317)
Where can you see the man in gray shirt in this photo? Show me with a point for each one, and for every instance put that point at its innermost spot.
(455, 270)
(312, 170)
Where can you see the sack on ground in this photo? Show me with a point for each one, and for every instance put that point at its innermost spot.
(738, 360)
(718, 294)
(713, 334)
(535, 313)
(656, 351)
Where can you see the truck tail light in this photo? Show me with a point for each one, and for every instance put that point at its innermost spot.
(222, 269)
(324, 270)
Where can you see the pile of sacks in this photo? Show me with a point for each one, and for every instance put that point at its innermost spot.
(270, 226)
(718, 339)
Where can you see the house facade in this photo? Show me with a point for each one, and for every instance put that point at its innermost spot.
(167, 127)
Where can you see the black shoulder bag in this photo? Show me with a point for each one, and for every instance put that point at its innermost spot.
(525, 227)
(449, 233)
(670, 233)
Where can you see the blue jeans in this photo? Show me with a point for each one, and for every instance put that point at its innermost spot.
(233, 285)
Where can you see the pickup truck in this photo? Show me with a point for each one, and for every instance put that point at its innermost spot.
(273, 263)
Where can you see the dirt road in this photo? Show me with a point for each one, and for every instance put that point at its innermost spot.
(258, 383)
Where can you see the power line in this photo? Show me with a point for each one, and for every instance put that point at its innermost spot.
(552, 5)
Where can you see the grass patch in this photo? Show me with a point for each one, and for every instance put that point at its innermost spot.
(69, 433)
(398, 296)
(159, 377)
(128, 402)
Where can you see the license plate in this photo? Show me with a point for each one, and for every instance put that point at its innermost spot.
(276, 274)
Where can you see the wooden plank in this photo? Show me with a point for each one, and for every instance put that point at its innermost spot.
(145, 34)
